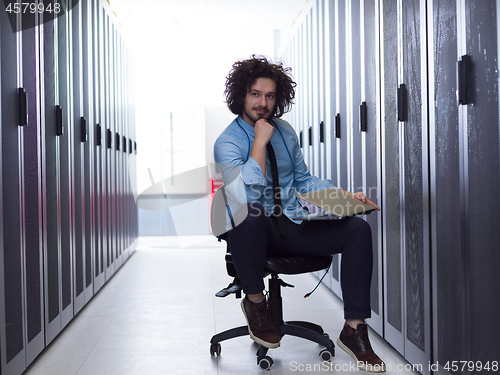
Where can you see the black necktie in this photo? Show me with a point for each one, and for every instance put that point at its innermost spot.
(278, 206)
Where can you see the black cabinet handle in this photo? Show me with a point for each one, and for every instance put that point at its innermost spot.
(129, 146)
(109, 139)
(363, 121)
(98, 135)
(124, 140)
(464, 80)
(402, 105)
(22, 104)
(337, 125)
(135, 147)
(301, 139)
(59, 121)
(322, 132)
(310, 136)
(83, 128)
(117, 141)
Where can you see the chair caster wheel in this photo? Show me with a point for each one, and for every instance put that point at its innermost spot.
(327, 354)
(265, 363)
(215, 349)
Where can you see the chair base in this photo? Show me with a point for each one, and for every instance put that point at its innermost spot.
(305, 330)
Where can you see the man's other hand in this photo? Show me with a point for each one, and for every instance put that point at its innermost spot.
(359, 195)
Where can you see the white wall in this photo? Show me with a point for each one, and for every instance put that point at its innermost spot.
(182, 52)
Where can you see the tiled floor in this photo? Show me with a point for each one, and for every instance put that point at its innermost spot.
(157, 314)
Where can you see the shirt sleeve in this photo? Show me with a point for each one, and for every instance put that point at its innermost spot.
(244, 180)
(304, 180)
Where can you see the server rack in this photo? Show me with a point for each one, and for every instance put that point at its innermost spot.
(98, 145)
(87, 149)
(368, 127)
(66, 100)
(408, 315)
(379, 143)
(330, 107)
(21, 255)
(464, 40)
(337, 79)
(108, 183)
(31, 208)
(321, 87)
(390, 179)
(53, 233)
(79, 137)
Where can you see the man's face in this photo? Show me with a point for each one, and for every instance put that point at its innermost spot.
(259, 101)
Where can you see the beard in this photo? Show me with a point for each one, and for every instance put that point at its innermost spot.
(257, 116)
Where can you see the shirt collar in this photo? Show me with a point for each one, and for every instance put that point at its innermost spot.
(246, 126)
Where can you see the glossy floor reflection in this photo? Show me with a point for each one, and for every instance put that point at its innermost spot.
(157, 314)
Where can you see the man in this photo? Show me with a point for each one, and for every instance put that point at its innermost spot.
(260, 92)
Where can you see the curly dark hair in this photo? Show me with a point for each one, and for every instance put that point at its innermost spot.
(244, 74)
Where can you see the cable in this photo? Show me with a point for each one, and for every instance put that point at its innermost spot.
(319, 282)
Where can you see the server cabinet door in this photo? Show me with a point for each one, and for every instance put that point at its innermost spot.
(21, 318)
(301, 90)
(415, 184)
(52, 129)
(353, 96)
(465, 158)
(369, 113)
(410, 265)
(321, 87)
(108, 160)
(340, 134)
(64, 79)
(343, 88)
(480, 135)
(393, 259)
(104, 121)
(77, 158)
(123, 154)
(12, 292)
(31, 197)
(98, 145)
(330, 107)
(118, 148)
(126, 166)
(87, 151)
(311, 98)
(446, 185)
(331, 88)
(116, 145)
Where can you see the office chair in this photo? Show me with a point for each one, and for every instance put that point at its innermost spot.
(292, 265)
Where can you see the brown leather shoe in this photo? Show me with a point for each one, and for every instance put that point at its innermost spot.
(260, 327)
(355, 342)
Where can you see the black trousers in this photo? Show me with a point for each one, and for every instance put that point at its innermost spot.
(257, 237)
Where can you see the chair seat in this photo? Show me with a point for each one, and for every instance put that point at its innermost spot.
(294, 265)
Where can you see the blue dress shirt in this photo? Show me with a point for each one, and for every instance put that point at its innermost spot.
(243, 177)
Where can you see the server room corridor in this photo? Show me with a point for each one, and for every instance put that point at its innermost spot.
(109, 112)
(157, 314)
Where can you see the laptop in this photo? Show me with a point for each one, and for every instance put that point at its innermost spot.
(335, 205)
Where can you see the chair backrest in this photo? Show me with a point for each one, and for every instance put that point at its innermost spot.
(218, 212)
(218, 222)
